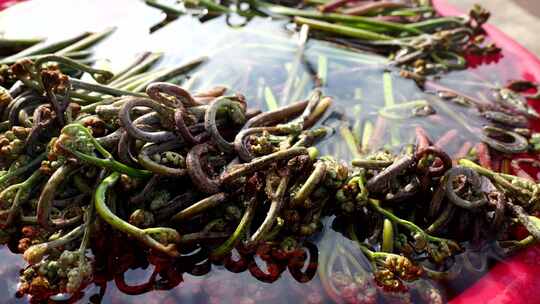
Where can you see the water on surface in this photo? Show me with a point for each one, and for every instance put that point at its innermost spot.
(257, 60)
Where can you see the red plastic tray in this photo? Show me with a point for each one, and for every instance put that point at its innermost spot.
(516, 280)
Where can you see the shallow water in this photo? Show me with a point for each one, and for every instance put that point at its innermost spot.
(257, 60)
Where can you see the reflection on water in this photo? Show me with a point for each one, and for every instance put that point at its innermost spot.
(257, 60)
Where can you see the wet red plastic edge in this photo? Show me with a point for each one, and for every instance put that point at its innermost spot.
(529, 64)
(7, 3)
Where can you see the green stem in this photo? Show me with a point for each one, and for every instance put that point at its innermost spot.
(430, 24)
(371, 163)
(299, 90)
(365, 27)
(411, 12)
(89, 218)
(19, 43)
(101, 76)
(200, 206)
(316, 2)
(78, 129)
(46, 197)
(136, 82)
(91, 107)
(389, 101)
(23, 190)
(270, 99)
(367, 133)
(109, 162)
(391, 26)
(341, 29)
(275, 207)
(86, 42)
(322, 69)
(97, 88)
(229, 244)
(74, 55)
(388, 111)
(43, 48)
(530, 222)
(35, 253)
(371, 255)
(388, 236)
(139, 65)
(347, 135)
(273, 233)
(167, 237)
(170, 10)
(459, 61)
(84, 99)
(309, 186)
(388, 90)
(170, 73)
(496, 177)
(407, 224)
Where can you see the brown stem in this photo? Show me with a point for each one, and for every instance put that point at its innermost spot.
(260, 163)
(200, 179)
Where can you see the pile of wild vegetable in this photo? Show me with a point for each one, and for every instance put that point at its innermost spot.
(410, 32)
(186, 180)
(186, 169)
